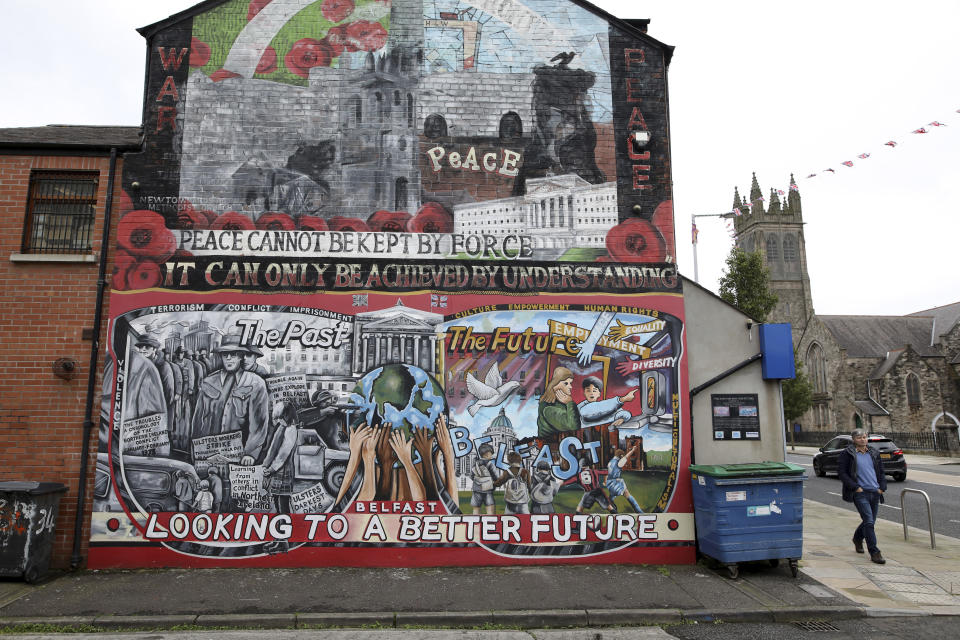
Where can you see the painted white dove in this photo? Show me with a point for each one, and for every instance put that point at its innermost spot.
(491, 392)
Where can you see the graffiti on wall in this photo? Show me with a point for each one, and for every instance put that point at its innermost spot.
(535, 119)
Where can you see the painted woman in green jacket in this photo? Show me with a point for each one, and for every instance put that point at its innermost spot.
(558, 412)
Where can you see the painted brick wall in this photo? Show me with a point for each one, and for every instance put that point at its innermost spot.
(47, 305)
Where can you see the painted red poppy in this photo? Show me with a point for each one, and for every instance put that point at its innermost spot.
(431, 218)
(223, 74)
(255, 7)
(145, 275)
(338, 41)
(663, 215)
(340, 223)
(199, 52)
(636, 240)
(395, 221)
(366, 35)
(306, 54)
(210, 215)
(336, 10)
(233, 221)
(182, 254)
(122, 264)
(190, 218)
(268, 61)
(274, 221)
(144, 233)
(312, 223)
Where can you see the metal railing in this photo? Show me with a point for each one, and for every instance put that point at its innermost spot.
(903, 514)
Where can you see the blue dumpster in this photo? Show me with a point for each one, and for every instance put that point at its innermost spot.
(749, 512)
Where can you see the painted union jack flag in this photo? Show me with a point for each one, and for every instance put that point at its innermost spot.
(848, 163)
(863, 156)
(812, 175)
(736, 212)
(920, 130)
(890, 143)
(830, 170)
(438, 301)
(937, 123)
(794, 187)
(781, 192)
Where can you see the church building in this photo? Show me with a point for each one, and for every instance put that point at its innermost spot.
(888, 374)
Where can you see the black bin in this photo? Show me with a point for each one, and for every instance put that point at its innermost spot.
(28, 518)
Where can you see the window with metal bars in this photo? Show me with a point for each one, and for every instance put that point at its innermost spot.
(61, 208)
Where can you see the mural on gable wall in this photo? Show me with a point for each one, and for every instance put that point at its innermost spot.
(496, 427)
(379, 287)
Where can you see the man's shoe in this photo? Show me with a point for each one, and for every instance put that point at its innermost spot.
(858, 545)
(877, 558)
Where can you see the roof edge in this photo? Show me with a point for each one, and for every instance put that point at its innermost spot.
(150, 30)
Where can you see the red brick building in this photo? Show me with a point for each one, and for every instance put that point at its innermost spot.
(54, 184)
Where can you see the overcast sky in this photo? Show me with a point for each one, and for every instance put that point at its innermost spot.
(762, 86)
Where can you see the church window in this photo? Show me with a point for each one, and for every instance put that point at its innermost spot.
(789, 248)
(816, 368)
(357, 105)
(410, 110)
(380, 105)
(913, 391)
(400, 195)
(857, 421)
(773, 250)
(396, 98)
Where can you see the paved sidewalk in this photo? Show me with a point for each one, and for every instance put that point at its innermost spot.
(915, 578)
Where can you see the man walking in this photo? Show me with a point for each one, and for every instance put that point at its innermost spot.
(861, 473)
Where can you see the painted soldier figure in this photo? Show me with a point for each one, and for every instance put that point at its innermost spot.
(233, 399)
(150, 349)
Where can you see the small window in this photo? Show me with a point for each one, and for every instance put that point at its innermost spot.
(913, 391)
(773, 250)
(60, 212)
(789, 248)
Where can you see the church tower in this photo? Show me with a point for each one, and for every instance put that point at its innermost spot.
(776, 231)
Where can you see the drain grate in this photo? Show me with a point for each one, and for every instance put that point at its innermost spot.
(815, 625)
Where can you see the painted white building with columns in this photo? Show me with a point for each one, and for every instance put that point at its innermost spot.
(558, 212)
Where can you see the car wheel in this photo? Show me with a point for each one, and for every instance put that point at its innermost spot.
(818, 469)
(899, 477)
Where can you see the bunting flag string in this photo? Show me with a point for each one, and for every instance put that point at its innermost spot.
(738, 211)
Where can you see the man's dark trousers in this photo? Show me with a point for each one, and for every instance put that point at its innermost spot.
(868, 504)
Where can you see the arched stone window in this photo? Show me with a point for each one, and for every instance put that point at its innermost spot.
(410, 110)
(381, 105)
(816, 368)
(396, 98)
(773, 249)
(789, 248)
(857, 421)
(435, 126)
(511, 126)
(913, 391)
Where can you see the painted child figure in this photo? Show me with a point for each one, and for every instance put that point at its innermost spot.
(615, 484)
(593, 493)
(483, 473)
(594, 411)
(516, 494)
(204, 499)
(544, 488)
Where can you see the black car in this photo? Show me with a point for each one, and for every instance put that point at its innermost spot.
(891, 456)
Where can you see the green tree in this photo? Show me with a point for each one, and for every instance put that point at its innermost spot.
(746, 284)
(797, 394)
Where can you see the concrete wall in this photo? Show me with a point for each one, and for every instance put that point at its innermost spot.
(718, 339)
